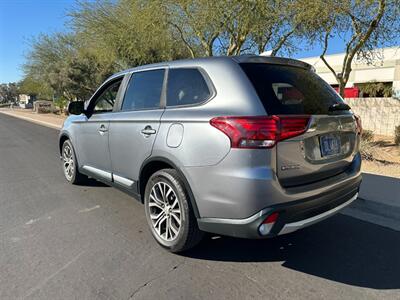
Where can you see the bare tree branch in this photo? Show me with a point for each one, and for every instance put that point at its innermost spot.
(187, 44)
(282, 41)
(263, 44)
(322, 56)
(362, 39)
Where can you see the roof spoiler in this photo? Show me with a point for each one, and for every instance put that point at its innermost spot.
(274, 60)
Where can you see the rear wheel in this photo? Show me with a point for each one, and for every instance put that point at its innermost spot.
(70, 165)
(169, 212)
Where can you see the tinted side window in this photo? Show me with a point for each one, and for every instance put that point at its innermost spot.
(185, 87)
(144, 90)
(290, 90)
(105, 102)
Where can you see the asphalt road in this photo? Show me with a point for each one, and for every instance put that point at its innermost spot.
(59, 241)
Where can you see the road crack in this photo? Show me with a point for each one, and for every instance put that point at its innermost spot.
(147, 283)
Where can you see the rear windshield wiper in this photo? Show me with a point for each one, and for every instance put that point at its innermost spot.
(339, 106)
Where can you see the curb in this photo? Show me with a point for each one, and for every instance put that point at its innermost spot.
(374, 212)
(381, 189)
(43, 123)
(378, 201)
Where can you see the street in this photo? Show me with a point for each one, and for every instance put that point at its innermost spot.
(59, 241)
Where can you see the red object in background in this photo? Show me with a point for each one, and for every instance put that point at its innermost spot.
(352, 92)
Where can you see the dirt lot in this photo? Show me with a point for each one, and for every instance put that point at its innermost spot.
(385, 158)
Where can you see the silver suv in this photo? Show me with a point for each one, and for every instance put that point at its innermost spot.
(247, 146)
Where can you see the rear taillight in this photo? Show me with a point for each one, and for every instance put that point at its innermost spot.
(260, 132)
(359, 124)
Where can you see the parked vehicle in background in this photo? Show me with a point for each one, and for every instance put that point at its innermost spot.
(246, 146)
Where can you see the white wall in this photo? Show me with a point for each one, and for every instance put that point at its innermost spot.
(385, 69)
(381, 115)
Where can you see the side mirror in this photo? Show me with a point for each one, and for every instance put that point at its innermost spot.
(76, 107)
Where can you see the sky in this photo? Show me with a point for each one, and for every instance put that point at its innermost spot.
(22, 20)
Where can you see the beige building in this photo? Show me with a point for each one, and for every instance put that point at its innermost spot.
(385, 69)
(26, 101)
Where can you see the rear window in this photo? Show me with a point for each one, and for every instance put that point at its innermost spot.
(186, 87)
(144, 90)
(290, 90)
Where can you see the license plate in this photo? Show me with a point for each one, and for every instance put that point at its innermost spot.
(330, 144)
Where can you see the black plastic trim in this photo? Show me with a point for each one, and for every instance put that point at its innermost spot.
(132, 192)
(182, 176)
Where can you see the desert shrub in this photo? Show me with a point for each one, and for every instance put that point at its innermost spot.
(397, 135)
(367, 136)
(61, 103)
(376, 89)
(368, 150)
(44, 110)
(56, 110)
(367, 147)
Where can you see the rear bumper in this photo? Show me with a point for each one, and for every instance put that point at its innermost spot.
(292, 215)
(245, 183)
(290, 227)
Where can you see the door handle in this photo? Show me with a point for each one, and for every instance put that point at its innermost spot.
(102, 129)
(148, 130)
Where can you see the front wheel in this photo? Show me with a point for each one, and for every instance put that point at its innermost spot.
(70, 165)
(169, 212)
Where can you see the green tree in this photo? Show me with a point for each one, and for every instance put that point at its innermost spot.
(257, 26)
(130, 32)
(363, 25)
(40, 88)
(197, 24)
(62, 63)
(8, 92)
(109, 35)
(234, 27)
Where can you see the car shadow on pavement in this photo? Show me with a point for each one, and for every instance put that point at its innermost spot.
(93, 183)
(342, 249)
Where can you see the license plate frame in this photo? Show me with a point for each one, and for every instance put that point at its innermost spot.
(330, 145)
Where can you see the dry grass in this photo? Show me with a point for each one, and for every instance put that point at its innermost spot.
(381, 156)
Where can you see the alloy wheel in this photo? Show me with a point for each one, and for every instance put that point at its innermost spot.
(68, 162)
(165, 211)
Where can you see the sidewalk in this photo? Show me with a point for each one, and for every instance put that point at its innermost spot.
(48, 120)
(378, 201)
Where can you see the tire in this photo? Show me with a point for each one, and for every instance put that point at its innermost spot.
(70, 164)
(165, 195)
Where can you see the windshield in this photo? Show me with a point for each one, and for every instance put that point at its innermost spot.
(290, 90)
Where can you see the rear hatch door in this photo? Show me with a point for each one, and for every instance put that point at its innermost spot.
(325, 150)
(331, 140)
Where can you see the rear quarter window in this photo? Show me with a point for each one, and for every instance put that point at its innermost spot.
(144, 90)
(186, 87)
(290, 90)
